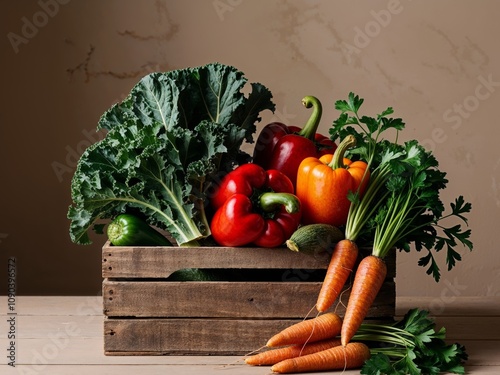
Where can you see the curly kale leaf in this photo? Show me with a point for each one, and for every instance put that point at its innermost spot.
(173, 135)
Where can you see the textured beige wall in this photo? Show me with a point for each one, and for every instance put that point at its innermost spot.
(436, 63)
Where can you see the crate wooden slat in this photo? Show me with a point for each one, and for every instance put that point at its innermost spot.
(161, 262)
(188, 336)
(225, 299)
(147, 314)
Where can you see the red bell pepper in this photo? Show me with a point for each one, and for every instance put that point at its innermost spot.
(283, 147)
(254, 206)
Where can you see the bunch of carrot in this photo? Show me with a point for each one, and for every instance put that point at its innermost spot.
(311, 345)
(411, 345)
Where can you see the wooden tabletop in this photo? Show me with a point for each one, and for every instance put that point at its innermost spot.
(64, 336)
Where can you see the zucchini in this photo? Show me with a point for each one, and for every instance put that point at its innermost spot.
(314, 238)
(194, 274)
(129, 230)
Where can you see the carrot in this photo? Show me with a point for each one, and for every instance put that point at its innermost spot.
(319, 328)
(350, 356)
(341, 265)
(368, 280)
(273, 356)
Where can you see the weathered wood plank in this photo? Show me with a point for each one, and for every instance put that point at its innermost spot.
(226, 299)
(85, 352)
(55, 305)
(227, 336)
(29, 327)
(161, 262)
(92, 305)
(33, 327)
(187, 370)
(195, 369)
(189, 336)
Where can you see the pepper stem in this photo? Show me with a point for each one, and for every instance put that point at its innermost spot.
(114, 231)
(338, 155)
(270, 201)
(309, 129)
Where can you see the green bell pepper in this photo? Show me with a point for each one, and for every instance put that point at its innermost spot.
(129, 230)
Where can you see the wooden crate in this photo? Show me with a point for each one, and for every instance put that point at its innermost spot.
(146, 314)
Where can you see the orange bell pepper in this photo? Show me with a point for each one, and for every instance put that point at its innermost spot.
(323, 185)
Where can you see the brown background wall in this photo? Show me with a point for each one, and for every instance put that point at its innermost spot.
(431, 61)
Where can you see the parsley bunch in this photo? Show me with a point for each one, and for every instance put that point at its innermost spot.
(410, 346)
(402, 203)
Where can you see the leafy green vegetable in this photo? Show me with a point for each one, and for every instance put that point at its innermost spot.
(167, 142)
(402, 203)
(410, 346)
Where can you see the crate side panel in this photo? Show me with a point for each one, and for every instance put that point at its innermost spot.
(161, 262)
(226, 299)
(209, 299)
(188, 336)
(191, 336)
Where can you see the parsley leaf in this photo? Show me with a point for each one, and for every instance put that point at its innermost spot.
(410, 346)
(379, 364)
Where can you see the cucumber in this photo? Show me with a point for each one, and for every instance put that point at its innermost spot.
(314, 238)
